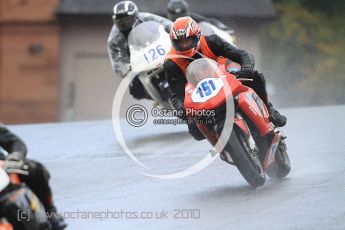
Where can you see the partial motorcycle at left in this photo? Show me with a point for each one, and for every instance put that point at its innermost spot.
(20, 208)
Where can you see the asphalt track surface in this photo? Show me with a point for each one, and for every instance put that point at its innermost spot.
(97, 186)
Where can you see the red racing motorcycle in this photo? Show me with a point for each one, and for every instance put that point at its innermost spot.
(247, 138)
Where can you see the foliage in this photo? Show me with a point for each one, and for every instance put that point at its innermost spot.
(305, 52)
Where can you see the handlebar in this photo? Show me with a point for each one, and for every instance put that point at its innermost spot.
(3, 152)
(3, 155)
(13, 167)
(244, 79)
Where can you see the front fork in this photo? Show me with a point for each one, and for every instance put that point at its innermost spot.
(276, 142)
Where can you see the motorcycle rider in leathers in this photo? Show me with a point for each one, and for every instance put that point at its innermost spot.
(37, 179)
(180, 8)
(189, 44)
(125, 17)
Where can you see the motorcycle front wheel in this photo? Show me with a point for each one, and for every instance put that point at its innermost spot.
(282, 165)
(246, 158)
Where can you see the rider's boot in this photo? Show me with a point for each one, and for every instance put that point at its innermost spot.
(276, 118)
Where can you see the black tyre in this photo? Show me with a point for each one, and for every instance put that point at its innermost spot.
(283, 162)
(246, 160)
(282, 165)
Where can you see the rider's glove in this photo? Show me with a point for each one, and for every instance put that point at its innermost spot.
(127, 67)
(15, 156)
(14, 162)
(123, 69)
(245, 73)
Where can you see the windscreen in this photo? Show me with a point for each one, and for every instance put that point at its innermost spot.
(144, 35)
(200, 69)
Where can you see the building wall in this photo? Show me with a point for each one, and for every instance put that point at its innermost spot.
(87, 82)
(27, 10)
(29, 57)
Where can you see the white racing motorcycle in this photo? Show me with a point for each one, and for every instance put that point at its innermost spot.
(148, 44)
(209, 29)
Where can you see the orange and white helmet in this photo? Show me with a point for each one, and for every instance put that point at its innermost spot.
(185, 36)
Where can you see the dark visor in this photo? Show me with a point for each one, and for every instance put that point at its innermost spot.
(184, 44)
(125, 23)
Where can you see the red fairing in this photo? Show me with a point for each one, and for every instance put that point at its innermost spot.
(251, 105)
(270, 154)
(255, 110)
(242, 125)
